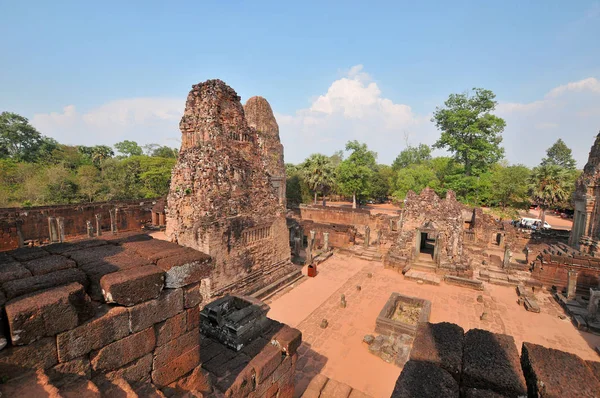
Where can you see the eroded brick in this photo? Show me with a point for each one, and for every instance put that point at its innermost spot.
(175, 348)
(170, 329)
(124, 351)
(146, 314)
(191, 295)
(45, 265)
(32, 284)
(132, 286)
(16, 360)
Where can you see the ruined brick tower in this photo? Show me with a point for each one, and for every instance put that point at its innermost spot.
(227, 197)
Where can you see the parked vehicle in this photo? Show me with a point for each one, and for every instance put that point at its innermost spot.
(533, 223)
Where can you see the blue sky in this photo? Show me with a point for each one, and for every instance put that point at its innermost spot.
(87, 73)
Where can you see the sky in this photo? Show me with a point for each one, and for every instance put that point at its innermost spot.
(88, 73)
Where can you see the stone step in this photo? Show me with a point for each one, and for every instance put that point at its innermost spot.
(81, 388)
(423, 266)
(116, 387)
(147, 390)
(424, 277)
(278, 285)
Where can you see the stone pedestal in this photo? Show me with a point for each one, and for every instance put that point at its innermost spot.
(571, 284)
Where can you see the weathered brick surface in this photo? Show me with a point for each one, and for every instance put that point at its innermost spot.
(491, 361)
(479, 393)
(168, 304)
(316, 385)
(163, 355)
(176, 367)
(193, 317)
(553, 373)
(27, 253)
(155, 249)
(440, 344)
(32, 284)
(137, 371)
(288, 340)
(171, 328)
(14, 361)
(132, 286)
(595, 367)
(422, 379)
(265, 363)
(335, 389)
(108, 326)
(48, 264)
(186, 268)
(33, 385)
(197, 380)
(124, 351)
(47, 313)
(191, 295)
(12, 270)
(66, 371)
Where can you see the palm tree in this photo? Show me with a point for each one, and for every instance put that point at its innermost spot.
(319, 174)
(549, 187)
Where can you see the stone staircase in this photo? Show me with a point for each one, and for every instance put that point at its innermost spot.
(371, 253)
(286, 281)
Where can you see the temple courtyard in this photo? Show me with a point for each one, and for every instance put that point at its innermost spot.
(338, 351)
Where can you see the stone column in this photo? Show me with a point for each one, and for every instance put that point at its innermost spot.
(309, 248)
(297, 246)
(593, 305)
(506, 260)
(501, 240)
(312, 238)
(161, 219)
(325, 241)
(98, 224)
(571, 284)
(154, 219)
(90, 229)
(53, 230)
(21, 241)
(61, 229)
(379, 236)
(367, 236)
(113, 219)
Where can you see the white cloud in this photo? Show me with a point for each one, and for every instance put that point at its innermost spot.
(352, 108)
(590, 84)
(145, 120)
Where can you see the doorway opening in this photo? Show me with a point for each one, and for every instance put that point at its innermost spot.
(427, 247)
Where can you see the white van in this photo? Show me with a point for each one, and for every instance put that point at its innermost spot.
(529, 223)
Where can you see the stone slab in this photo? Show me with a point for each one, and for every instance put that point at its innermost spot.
(440, 344)
(45, 265)
(32, 284)
(422, 379)
(132, 286)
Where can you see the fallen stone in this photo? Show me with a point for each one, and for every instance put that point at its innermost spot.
(12, 270)
(440, 344)
(422, 379)
(324, 324)
(531, 305)
(132, 286)
(368, 339)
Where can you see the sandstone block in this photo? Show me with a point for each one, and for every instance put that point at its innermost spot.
(132, 286)
(178, 367)
(47, 313)
(45, 265)
(491, 361)
(283, 369)
(193, 317)
(265, 363)
(146, 314)
(288, 340)
(479, 393)
(109, 325)
(27, 253)
(422, 379)
(198, 380)
(16, 360)
(67, 371)
(165, 354)
(335, 389)
(137, 371)
(185, 269)
(171, 328)
(123, 351)
(65, 247)
(80, 388)
(155, 249)
(191, 295)
(553, 373)
(32, 284)
(440, 344)
(10, 271)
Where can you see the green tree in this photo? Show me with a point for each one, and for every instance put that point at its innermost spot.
(20, 141)
(470, 131)
(296, 189)
(414, 178)
(381, 184)
(319, 174)
(561, 155)
(355, 172)
(97, 154)
(549, 187)
(129, 148)
(88, 182)
(165, 152)
(412, 155)
(510, 186)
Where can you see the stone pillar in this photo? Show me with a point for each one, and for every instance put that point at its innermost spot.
(367, 236)
(312, 238)
(571, 284)
(90, 229)
(61, 229)
(161, 219)
(98, 224)
(113, 219)
(379, 236)
(308, 256)
(325, 241)
(154, 219)
(593, 305)
(21, 241)
(53, 230)
(501, 240)
(506, 260)
(297, 246)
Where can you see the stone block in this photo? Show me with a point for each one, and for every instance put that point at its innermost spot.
(137, 371)
(123, 351)
(67, 371)
(479, 393)
(32, 385)
(335, 389)
(191, 295)
(115, 387)
(80, 388)
(146, 314)
(132, 286)
(316, 385)
(531, 305)
(154, 249)
(16, 360)
(178, 367)
(284, 368)
(186, 268)
(10, 271)
(32, 284)
(491, 361)
(287, 340)
(242, 385)
(225, 361)
(197, 380)
(165, 354)
(65, 247)
(47, 313)
(595, 368)
(422, 379)
(265, 363)
(193, 317)
(89, 255)
(107, 326)
(27, 253)
(170, 329)
(553, 373)
(440, 344)
(45, 265)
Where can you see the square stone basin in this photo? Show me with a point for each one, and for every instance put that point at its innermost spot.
(401, 314)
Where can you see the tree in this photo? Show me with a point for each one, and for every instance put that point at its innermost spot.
(510, 186)
(549, 187)
(561, 155)
(355, 172)
(319, 174)
(21, 141)
(414, 178)
(469, 130)
(97, 154)
(165, 152)
(88, 182)
(128, 148)
(381, 183)
(412, 155)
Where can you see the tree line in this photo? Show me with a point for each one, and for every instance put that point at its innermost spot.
(36, 170)
(475, 170)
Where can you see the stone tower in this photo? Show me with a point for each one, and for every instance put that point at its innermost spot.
(224, 198)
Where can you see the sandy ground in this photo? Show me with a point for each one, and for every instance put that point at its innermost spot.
(339, 353)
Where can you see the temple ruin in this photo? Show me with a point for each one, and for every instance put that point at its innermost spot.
(227, 196)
